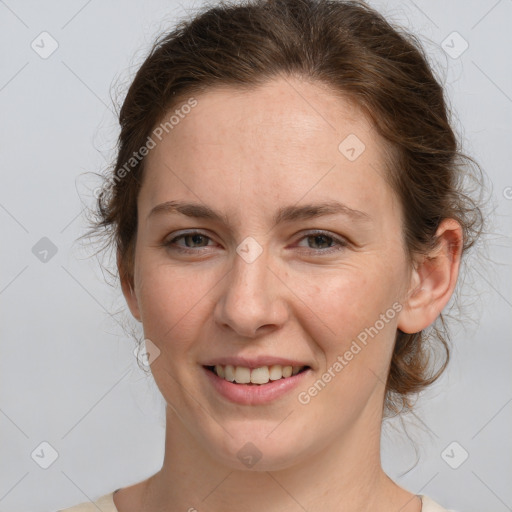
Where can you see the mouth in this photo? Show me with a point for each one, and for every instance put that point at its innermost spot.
(255, 376)
(255, 386)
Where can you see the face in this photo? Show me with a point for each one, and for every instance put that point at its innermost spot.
(321, 287)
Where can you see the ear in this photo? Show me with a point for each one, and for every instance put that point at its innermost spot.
(128, 290)
(433, 280)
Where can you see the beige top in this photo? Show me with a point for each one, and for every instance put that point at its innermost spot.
(106, 504)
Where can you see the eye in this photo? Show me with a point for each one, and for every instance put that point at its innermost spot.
(193, 240)
(325, 242)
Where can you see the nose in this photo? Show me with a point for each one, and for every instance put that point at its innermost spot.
(252, 301)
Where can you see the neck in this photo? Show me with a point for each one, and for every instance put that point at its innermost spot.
(346, 476)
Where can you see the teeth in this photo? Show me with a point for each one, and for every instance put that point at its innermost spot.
(242, 375)
(219, 370)
(275, 372)
(262, 375)
(229, 373)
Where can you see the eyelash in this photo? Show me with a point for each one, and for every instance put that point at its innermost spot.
(340, 241)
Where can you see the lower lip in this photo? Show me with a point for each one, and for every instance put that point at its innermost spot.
(255, 394)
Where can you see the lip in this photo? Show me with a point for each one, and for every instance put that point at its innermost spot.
(255, 394)
(254, 362)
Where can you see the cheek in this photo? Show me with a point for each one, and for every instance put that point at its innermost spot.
(357, 346)
(348, 298)
(352, 305)
(172, 302)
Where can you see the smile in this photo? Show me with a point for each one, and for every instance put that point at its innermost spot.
(258, 376)
(265, 390)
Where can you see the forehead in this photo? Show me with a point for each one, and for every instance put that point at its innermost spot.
(278, 142)
(290, 108)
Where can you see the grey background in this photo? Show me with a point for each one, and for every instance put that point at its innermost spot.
(68, 375)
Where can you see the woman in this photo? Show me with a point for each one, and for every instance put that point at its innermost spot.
(287, 220)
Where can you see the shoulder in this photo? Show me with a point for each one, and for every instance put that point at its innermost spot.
(104, 503)
(429, 505)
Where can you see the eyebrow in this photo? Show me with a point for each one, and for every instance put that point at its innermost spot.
(284, 214)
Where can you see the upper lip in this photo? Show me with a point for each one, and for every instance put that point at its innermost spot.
(254, 362)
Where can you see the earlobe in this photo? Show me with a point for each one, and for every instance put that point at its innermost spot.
(433, 280)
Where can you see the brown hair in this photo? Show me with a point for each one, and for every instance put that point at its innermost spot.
(349, 47)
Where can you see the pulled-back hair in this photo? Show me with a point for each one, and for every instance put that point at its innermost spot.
(352, 49)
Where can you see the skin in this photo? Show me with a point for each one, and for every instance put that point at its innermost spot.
(245, 154)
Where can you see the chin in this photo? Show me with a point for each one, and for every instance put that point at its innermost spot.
(255, 450)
